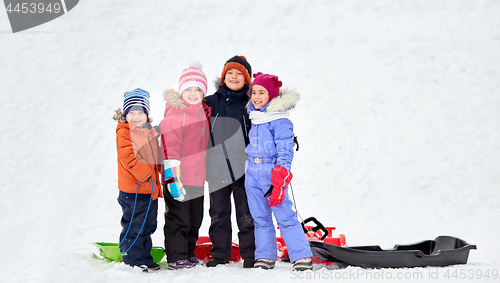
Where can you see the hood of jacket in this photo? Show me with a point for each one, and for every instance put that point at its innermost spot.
(175, 104)
(173, 99)
(286, 100)
(218, 83)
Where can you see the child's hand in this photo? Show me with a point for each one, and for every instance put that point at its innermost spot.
(172, 174)
(280, 178)
(176, 189)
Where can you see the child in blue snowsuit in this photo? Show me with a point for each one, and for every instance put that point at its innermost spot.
(269, 160)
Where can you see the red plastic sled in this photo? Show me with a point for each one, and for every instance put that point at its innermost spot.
(318, 233)
(204, 246)
(313, 233)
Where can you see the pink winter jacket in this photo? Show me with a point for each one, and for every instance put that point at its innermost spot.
(185, 133)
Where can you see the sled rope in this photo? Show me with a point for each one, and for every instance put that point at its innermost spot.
(295, 204)
(132, 218)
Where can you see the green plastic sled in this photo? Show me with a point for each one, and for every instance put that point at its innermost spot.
(111, 251)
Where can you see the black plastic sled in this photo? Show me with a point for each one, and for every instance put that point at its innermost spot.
(442, 251)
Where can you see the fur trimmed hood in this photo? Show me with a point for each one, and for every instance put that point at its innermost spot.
(286, 100)
(217, 83)
(175, 104)
(173, 98)
(118, 116)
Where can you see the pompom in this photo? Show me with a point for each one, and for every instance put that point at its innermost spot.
(243, 57)
(257, 74)
(278, 83)
(196, 64)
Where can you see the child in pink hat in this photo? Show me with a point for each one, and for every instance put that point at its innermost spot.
(184, 133)
(269, 161)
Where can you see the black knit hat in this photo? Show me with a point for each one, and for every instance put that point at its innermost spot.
(240, 63)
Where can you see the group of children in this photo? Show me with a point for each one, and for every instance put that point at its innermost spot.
(239, 140)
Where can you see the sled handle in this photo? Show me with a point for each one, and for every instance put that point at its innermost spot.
(316, 228)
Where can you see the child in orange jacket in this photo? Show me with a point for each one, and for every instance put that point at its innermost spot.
(139, 156)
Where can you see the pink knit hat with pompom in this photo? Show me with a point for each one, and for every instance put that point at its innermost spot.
(193, 76)
(269, 82)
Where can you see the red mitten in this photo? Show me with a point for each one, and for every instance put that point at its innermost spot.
(281, 178)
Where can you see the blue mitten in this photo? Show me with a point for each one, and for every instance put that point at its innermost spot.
(172, 173)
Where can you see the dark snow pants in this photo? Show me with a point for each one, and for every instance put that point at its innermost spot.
(182, 223)
(220, 231)
(140, 252)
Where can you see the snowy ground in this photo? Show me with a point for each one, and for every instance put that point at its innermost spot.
(399, 125)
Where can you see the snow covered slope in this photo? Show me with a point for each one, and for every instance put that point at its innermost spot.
(398, 124)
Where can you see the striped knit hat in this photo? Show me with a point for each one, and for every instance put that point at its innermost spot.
(138, 99)
(193, 76)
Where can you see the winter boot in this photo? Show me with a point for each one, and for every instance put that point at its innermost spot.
(179, 264)
(154, 267)
(143, 267)
(264, 264)
(303, 264)
(216, 261)
(248, 263)
(195, 261)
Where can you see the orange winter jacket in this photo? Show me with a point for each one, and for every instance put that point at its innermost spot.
(139, 157)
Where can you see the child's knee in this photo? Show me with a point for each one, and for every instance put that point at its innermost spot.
(263, 222)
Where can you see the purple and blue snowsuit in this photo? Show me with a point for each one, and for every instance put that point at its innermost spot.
(271, 144)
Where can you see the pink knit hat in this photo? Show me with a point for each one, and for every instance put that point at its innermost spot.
(193, 76)
(269, 82)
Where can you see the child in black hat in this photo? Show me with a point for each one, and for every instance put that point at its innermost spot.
(226, 163)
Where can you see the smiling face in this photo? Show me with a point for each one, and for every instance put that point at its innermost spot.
(138, 117)
(260, 96)
(234, 80)
(193, 95)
